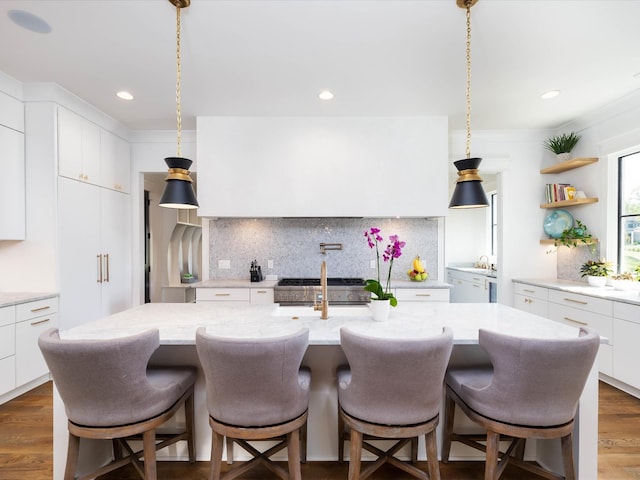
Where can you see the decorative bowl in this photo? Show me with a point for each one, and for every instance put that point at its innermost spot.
(557, 222)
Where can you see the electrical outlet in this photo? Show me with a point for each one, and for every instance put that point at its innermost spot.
(224, 264)
(269, 263)
(372, 264)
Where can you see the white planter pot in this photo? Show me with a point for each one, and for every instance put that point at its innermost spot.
(597, 281)
(562, 157)
(380, 309)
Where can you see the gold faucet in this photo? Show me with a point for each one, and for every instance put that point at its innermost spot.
(324, 304)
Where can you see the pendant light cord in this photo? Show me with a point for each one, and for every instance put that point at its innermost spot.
(468, 87)
(178, 73)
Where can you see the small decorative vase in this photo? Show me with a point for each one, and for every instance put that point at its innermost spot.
(563, 157)
(380, 309)
(596, 281)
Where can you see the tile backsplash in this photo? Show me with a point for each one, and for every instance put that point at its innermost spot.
(571, 259)
(293, 244)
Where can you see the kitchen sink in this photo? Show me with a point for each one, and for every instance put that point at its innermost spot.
(338, 311)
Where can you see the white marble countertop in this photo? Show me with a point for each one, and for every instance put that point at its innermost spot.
(609, 293)
(478, 271)
(177, 323)
(8, 299)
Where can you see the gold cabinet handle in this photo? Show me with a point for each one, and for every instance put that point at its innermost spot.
(222, 294)
(39, 309)
(45, 320)
(423, 294)
(576, 321)
(99, 257)
(528, 291)
(106, 264)
(576, 301)
(261, 291)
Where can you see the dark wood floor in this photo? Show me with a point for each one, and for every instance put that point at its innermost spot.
(26, 442)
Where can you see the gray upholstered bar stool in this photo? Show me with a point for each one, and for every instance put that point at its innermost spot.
(256, 390)
(109, 393)
(531, 390)
(391, 389)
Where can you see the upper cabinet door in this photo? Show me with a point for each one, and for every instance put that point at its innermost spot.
(11, 112)
(12, 185)
(115, 162)
(322, 166)
(78, 147)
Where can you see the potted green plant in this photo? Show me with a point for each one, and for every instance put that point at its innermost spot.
(562, 145)
(573, 236)
(596, 272)
(624, 281)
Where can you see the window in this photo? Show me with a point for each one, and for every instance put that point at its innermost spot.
(629, 212)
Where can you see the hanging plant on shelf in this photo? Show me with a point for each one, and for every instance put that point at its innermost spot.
(571, 237)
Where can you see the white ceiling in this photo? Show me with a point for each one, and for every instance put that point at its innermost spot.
(379, 57)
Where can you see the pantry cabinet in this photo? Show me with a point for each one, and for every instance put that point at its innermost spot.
(95, 264)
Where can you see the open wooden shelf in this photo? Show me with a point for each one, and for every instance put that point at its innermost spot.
(551, 241)
(569, 203)
(569, 165)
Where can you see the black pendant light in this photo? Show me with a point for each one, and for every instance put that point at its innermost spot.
(178, 192)
(468, 192)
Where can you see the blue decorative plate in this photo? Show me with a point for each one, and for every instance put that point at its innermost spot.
(557, 222)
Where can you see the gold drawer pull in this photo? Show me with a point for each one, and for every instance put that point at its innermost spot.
(39, 309)
(528, 291)
(261, 291)
(40, 321)
(576, 321)
(423, 294)
(576, 301)
(222, 294)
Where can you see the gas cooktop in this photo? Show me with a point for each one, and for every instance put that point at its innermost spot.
(315, 282)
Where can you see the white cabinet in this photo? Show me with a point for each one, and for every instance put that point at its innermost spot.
(32, 319)
(115, 162)
(467, 287)
(261, 295)
(11, 113)
(626, 335)
(253, 295)
(583, 310)
(12, 185)
(422, 294)
(7, 349)
(95, 250)
(20, 326)
(223, 295)
(91, 154)
(78, 147)
(531, 299)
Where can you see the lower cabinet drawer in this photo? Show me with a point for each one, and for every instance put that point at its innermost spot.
(583, 302)
(7, 374)
(29, 361)
(422, 294)
(223, 295)
(602, 324)
(530, 291)
(7, 341)
(37, 308)
(261, 295)
(533, 305)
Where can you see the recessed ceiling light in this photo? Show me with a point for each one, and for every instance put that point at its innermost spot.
(29, 21)
(124, 95)
(550, 94)
(325, 95)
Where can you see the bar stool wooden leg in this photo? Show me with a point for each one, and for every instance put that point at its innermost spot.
(72, 457)
(491, 465)
(432, 455)
(149, 442)
(341, 438)
(216, 456)
(293, 454)
(189, 420)
(567, 457)
(449, 417)
(355, 451)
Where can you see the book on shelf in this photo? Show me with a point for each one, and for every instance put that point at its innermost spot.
(558, 192)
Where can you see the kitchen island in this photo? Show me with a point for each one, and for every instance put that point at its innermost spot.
(177, 324)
